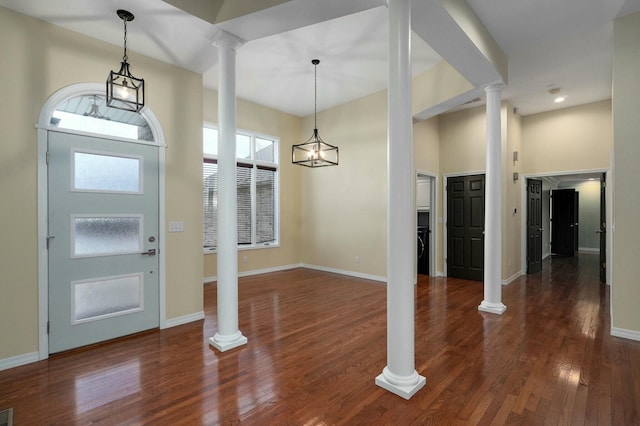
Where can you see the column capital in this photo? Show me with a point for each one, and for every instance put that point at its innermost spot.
(223, 39)
(494, 87)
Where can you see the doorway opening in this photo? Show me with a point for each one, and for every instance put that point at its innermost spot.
(566, 217)
(425, 224)
(63, 121)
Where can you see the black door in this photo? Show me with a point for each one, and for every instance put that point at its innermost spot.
(534, 226)
(603, 229)
(564, 213)
(465, 227)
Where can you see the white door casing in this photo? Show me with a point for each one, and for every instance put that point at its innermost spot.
(44, 127)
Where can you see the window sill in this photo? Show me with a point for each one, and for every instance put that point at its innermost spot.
(247, 247)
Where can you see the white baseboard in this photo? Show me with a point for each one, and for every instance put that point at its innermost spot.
(185, 319)
(625, 334)
(512, 278)
(346, 272)
(303, 265)
(589, 249)
(17, 361)
(257, 272)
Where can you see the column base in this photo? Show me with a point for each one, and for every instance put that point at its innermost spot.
(224, 343)
(405, 387)
(492, 308)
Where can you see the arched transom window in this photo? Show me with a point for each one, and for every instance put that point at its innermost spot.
(89, 113)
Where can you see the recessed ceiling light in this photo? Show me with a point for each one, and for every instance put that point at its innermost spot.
(557, 97)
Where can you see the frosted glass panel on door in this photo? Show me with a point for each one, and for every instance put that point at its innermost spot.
(106, 173)
(96, 236)
(106, 297)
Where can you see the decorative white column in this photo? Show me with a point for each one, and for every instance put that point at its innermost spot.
(493, 208)
(228, 335)
(400, 376)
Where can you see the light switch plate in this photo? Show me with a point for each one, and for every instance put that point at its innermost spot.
(176, 226)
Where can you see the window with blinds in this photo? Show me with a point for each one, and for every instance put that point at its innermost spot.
(256, 186)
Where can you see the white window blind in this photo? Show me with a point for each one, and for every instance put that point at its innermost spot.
(256, 185)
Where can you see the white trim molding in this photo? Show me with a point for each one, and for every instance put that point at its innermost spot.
(185, 319)
(43, 127)
(17, 361)
(346, 272)
(512, 278)
(625, 334)
(208, 280)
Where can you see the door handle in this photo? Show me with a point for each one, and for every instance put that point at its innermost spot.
(541, 229)
(599, 231)
(150, 252)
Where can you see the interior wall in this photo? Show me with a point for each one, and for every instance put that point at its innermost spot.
(625, 287)
(344, 208)
(45, 58)
(512, 213)
(261, 119)
(426, 158)
(568, 139)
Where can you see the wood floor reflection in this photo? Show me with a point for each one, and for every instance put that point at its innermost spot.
(318, 340)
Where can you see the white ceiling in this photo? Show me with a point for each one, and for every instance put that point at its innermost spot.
(549, 43)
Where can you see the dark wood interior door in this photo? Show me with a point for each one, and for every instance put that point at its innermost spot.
(534, 226)
(563, 222)
(465, 227)
(603, 228)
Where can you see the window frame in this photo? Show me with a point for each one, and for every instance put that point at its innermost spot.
(254, 165)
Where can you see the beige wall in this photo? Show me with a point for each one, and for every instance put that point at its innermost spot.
(625, 288)
(512, 212)
(463, 141)
(463, 151)
(575, 138)
(344, 208)
(426, 158)
(45, 58)
(438, 84)
(260, 119)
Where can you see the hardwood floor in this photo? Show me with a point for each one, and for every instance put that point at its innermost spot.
(318, 340)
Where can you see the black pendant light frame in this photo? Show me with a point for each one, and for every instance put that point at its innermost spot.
(315, 152)
(124, 91)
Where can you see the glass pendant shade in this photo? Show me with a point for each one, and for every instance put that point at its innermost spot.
(124, 91)
(315, 152)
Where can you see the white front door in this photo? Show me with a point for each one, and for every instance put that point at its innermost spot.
(103, 239)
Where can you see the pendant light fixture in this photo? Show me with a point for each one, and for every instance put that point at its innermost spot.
(124, 91)
(315, 152)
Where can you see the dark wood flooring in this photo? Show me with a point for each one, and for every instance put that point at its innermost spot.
(318, 340)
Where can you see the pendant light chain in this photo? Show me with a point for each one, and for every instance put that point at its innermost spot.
(125, 57)
(315, 96)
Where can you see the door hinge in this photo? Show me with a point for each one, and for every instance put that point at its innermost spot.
(604, 265)
(46, 157)
(48, 327)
